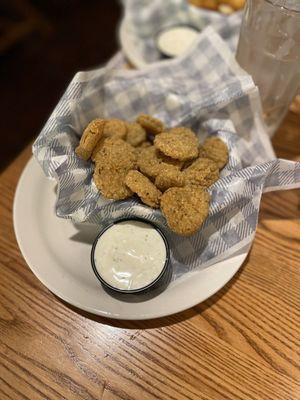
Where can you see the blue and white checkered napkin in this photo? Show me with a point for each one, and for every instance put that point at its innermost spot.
(205, 90)
(145, 18)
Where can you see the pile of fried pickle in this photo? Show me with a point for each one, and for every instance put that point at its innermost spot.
(223, 6)
(166, 168)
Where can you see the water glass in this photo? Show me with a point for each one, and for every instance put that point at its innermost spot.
(269, 50)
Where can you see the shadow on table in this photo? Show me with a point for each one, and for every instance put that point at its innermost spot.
(164, 321)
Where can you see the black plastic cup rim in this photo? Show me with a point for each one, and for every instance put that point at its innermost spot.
(144, 288)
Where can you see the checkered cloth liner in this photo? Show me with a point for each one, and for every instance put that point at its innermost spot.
(145, 18)
(205, 90)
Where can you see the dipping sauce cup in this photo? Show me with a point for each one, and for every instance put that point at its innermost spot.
(130, 256)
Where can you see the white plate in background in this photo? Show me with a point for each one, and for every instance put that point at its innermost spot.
(131, 42)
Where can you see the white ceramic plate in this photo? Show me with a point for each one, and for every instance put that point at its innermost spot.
(130, 46)
(130, 42)
(58, 253)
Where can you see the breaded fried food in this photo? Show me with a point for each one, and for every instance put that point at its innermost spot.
(111, 184)
(91, 135)
(209, 4)
(203, 172)
(152, 125)
(216, 150)
(145, 144)
(144, 188)
(98, 147)
(202, 152)
(169, 178)
(181, 130)
(115, 127)
(169, 161)
(185, 209)
(151, 162)
(112, 163)
(179, 143)
(142, 146)
(136, 134)
(116, 155)
(235, 4)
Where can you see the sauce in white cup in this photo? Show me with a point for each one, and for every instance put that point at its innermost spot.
(175, 40)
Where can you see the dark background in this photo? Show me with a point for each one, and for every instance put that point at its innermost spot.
(43, 43)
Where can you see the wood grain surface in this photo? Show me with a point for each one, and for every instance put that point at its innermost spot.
(243, 343)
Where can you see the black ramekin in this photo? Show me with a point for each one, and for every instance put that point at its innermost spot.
(154, 284)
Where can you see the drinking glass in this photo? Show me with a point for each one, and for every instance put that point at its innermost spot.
(269, 50)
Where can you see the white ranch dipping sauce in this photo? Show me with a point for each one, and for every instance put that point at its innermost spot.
(130, 255)
(176, 40)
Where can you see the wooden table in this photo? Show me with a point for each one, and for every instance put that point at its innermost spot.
(243, 343)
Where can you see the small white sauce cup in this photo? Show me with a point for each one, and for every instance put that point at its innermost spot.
(164, 52)
(153, 285)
